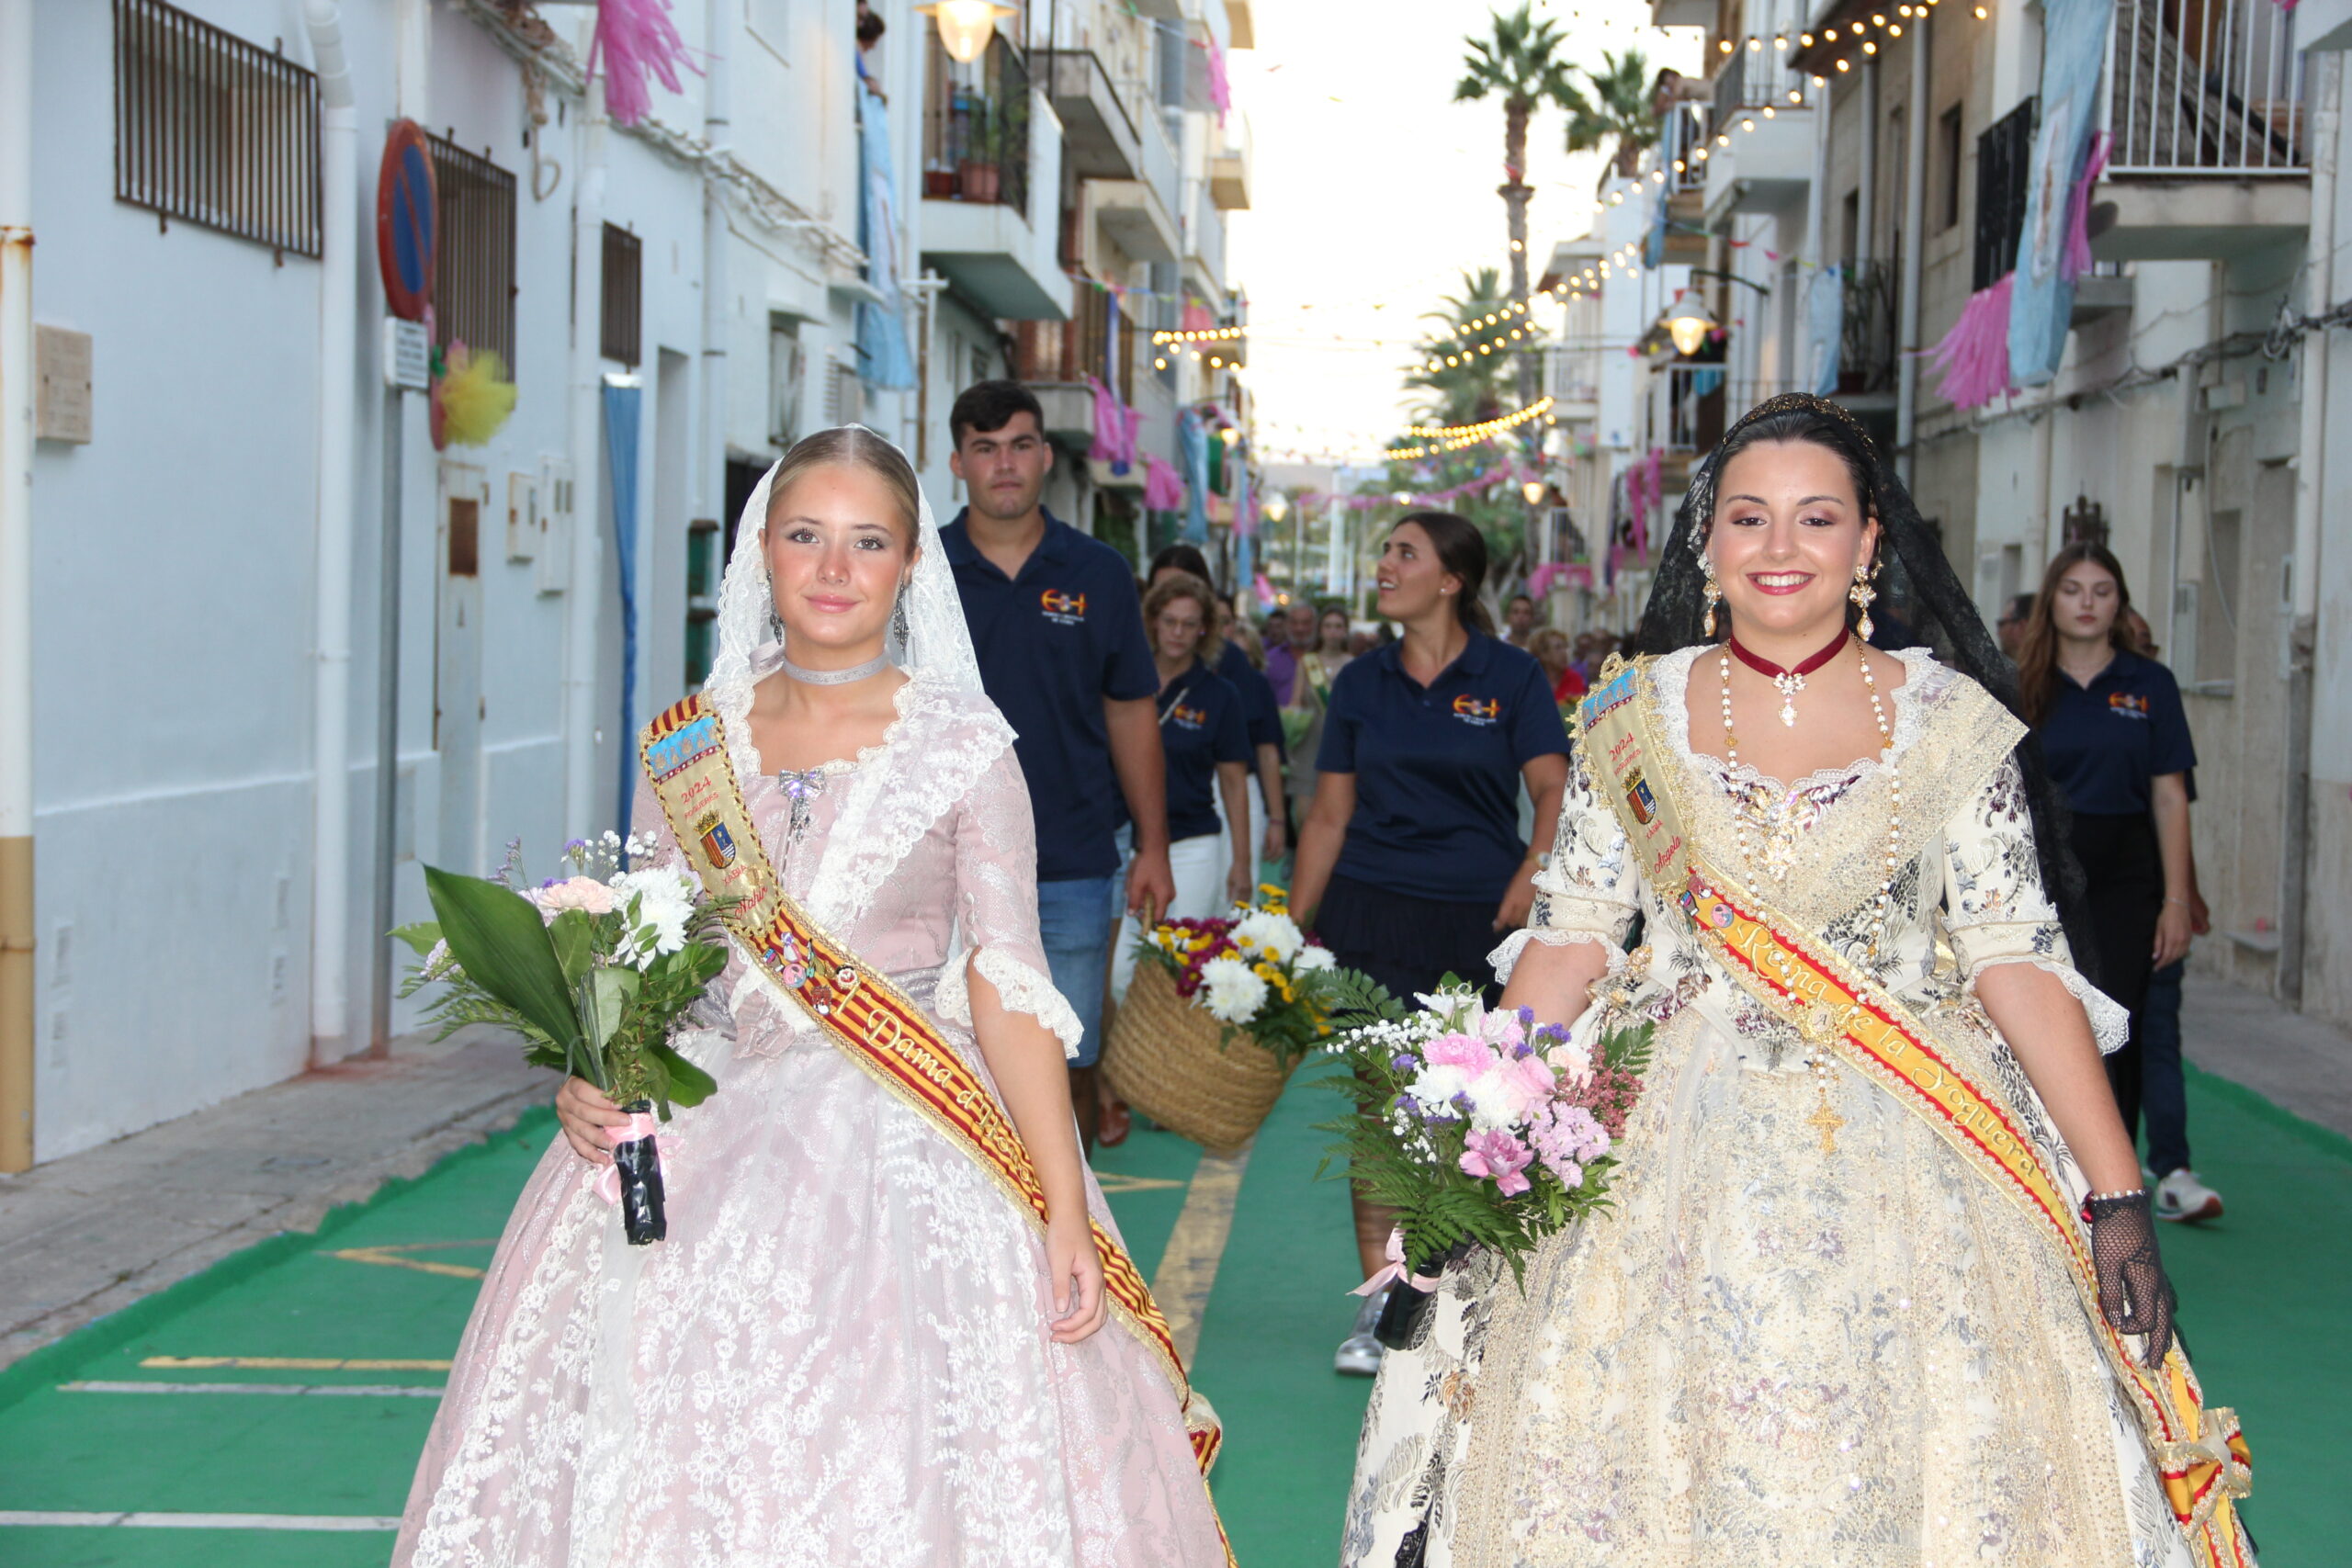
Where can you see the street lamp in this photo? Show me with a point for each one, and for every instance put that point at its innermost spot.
(1277, 507)
(965, 26)
(1689, 326)
(1533, 489)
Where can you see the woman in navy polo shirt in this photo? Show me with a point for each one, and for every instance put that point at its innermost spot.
(1410, 859)
(1206, 745)
(2117, 742)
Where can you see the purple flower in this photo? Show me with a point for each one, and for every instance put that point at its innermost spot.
(1408, 1105)
(1404, 1062)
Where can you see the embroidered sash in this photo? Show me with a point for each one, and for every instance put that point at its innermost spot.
(875, 1023)
(1799, 977)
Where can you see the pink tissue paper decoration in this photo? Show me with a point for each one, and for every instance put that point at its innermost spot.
(1559, 574)
(1162, 491)
(635, 38)
(1220, 85)
(1974, 357)
(2077, 260)
(1114, 426)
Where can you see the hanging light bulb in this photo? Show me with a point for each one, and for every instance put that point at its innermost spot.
(965, 26)
(1533, 489)
(1228, 435)
(1277, 507)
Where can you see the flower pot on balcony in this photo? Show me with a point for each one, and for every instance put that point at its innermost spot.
(979, 181)
(939, 185)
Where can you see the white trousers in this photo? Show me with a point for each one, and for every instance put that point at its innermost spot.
(1200, 864)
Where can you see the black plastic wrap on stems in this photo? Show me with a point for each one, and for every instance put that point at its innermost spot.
(1408, 1307)
(637, 1163)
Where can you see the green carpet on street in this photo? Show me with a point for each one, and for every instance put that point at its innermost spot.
(2262, 1300)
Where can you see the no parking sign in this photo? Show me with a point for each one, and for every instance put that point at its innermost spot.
(405, 218)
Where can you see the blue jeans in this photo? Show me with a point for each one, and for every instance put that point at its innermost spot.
(2164, 1099)
(1075, 920)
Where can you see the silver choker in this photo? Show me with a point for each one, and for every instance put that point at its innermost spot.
(874, 666)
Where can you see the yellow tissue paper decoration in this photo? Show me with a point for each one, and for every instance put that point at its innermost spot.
(475, 395)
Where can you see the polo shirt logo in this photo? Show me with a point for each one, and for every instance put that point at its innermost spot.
(1063, 609)
(1476, 710)
(2127, 705)
(1191, 719)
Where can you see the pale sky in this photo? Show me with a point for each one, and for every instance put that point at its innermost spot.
(1372, 190)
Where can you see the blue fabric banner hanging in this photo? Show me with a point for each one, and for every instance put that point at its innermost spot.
(623, 407)
(2042, 302)
(1193, 436)
(884, 358)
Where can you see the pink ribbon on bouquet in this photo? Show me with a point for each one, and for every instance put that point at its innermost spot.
(641, 1124)
(1396, 1270)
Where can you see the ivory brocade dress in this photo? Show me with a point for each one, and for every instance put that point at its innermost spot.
(1770, 1352)
(841, 1355)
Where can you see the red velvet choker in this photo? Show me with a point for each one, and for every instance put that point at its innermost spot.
(1763, 666)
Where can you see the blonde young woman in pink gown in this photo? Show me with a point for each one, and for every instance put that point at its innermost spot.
(852, 1348)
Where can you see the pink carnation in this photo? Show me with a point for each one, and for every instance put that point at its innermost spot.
(1472, 1055)
(1500, 1157)
(575, 893)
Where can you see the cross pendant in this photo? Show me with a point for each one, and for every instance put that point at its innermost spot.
(1828, 1120)
(1789, 685)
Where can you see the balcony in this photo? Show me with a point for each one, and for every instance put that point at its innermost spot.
(1098, 137)
(1685, 147)
(1204, 249)
(1229, 166)
(1137, 215)
(2204, 110)
(989, 141)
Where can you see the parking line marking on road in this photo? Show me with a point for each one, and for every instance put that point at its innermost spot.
(1187, 1270)
(357, 1390)
(394, 1256)
(293, 1364)
(30, 1518)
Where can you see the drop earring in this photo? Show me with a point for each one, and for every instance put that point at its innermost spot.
(775, 626)
(1715, 595)
(1864, 596)
(898, 617)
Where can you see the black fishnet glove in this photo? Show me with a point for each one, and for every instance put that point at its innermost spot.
(2133, 1293)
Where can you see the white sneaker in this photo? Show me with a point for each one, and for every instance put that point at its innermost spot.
(2180, 1196)
(1359, 1353)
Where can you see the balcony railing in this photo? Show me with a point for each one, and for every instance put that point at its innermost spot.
(1689, 415)
(1682, 146)
(1751, 79)
(2004, 164)
(1866, 357)
(975, 127)
(2205, 87)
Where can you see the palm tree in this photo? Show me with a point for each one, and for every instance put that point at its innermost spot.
(1521, 64)
(1473, 390)
(1620, 108)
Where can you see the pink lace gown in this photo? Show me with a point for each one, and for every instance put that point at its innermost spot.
(841, 1355)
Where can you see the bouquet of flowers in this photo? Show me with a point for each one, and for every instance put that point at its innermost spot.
(1252, 969)
(594, 970)
(1479, 1127)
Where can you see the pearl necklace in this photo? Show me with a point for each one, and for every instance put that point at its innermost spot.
(1885, 896)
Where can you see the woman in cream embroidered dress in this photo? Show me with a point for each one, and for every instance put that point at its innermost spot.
(852, 1348)
(1807, 1334)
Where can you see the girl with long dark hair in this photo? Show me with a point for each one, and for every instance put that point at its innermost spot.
(1410, 861)
(2117, 744)
(1878, 1283)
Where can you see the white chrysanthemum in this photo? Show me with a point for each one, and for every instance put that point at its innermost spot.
(665, 905)
(1270, 931)
(1312, 957)
(1231, 991)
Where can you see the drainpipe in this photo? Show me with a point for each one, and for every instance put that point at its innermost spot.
(338, 351)
(15, 585)
(580, 774)
(1915, 220)
(1866, 189)
(718, 305)
(2310, 473)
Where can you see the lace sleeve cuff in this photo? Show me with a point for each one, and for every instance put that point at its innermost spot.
(1021, 986)
(2111, 1024)
(1506, 958)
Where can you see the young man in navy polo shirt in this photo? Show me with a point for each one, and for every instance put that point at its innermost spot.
(1059, 633)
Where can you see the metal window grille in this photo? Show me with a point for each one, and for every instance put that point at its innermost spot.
(213, 130)
(2003, 167)
(473, 262)
(976, 127)
(624, 296)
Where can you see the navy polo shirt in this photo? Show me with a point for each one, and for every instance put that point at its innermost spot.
(1200, 726)
(1054, 643)
(1259, 713)
(2105, 741)
(1437, 770)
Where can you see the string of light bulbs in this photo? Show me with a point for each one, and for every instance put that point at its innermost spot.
(1454, 438)
(1200, 334)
